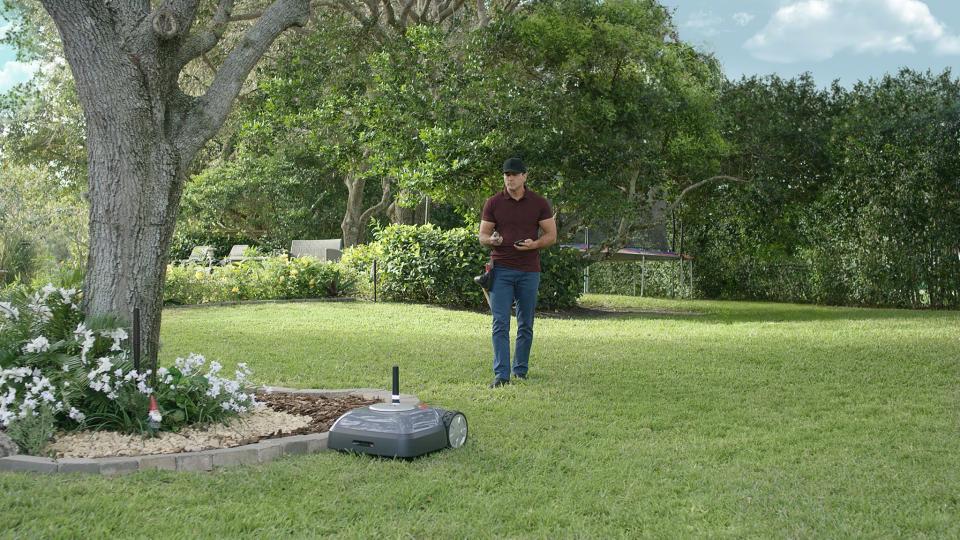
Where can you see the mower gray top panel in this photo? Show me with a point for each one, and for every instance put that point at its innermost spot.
(402, 422)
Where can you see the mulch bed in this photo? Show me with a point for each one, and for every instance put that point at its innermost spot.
(322, 410)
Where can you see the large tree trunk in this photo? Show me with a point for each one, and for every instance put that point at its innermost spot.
(143, 131)
(133, 206)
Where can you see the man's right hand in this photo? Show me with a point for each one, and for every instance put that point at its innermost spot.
(496, 239)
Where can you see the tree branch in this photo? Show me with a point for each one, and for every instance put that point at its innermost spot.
(351, 9)
(423, 10)
(200, 43)
(245, 17)
(450, 10)
(406, 13)
(205, 117)
(388, 9)
(483, 16)
(700, 184)
(384, 201)
(374, 9)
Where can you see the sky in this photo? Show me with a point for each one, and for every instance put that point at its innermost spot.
(12, 71)
(846, 40)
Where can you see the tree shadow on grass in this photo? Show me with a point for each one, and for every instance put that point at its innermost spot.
(740, 312)
(721, 312)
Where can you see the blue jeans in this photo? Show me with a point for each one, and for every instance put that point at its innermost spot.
(510, 284)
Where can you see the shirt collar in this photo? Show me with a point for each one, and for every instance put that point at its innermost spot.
(506, 194)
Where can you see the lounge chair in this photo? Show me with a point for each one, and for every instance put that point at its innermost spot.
(200, 256)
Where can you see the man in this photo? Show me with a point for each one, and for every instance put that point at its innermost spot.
(509, 225)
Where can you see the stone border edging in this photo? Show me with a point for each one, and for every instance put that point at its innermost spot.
(205, 460)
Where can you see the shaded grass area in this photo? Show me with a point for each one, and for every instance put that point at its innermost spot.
(673, 418)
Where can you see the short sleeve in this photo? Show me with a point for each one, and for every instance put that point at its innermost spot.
(545, 211)
(487, 214)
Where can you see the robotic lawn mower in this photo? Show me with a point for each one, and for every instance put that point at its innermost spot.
(398, 429)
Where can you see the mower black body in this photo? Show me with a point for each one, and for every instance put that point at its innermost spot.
(403, 433)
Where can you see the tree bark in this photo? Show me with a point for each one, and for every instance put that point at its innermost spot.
(143, 132)
(355, 218)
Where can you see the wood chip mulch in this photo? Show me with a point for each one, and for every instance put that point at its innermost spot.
(322, 410)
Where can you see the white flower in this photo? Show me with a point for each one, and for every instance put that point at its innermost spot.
(67, 295)
(155, 416)
(190, 364)
(48, 396)
(117, 335)
(76, 415)
(39, 308)
(143, 388)
(47, 290)
(82, 332)
(105, 365)
(41, 344)
(28, 405)
(8, 311)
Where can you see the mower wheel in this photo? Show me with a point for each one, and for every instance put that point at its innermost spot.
(456, 424)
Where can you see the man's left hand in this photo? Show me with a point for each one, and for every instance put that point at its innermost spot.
(525, 245)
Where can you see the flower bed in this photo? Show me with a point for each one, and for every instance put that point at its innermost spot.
(61, 372)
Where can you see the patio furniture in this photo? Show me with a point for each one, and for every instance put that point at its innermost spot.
(199, 256)
(328, 250)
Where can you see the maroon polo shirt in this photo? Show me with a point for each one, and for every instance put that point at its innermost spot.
(516, 220)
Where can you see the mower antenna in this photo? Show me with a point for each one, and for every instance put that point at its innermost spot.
(135, 339)
(395, 397)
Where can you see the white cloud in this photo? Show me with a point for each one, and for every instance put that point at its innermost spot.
(819, 29)
(742, 18)
(14, 72)
(704, 21)
(948, 45)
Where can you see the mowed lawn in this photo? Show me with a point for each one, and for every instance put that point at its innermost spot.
(668, 419)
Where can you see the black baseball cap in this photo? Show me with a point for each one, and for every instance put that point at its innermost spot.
(514, 164)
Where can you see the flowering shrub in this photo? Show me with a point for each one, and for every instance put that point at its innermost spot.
(80, 374)
(273, 278)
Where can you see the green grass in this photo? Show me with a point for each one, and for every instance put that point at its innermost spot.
(736, 420)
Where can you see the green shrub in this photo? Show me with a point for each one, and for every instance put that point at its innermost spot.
(33, 433)
(562, 280)
(358, 262)
(427, 265)
(272, 278)
(18, 258)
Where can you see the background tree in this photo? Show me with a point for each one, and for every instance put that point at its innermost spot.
(606, 104)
